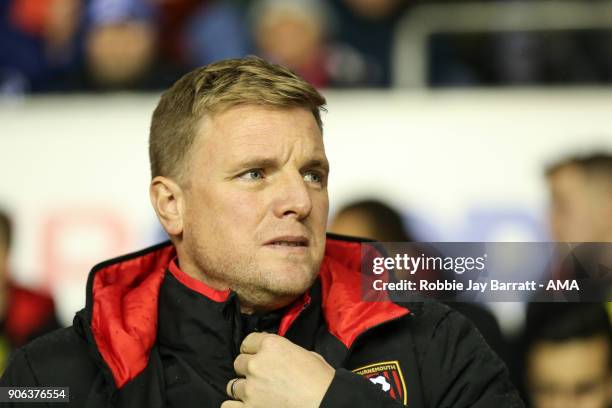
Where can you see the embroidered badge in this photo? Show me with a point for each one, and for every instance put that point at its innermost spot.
(388, 376)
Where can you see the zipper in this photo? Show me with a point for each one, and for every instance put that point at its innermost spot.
(235, 324)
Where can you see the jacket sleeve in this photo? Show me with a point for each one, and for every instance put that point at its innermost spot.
(350, 390)
(459, 369)
(19, 373)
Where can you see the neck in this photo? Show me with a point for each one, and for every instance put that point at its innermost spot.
(249, 306)
(193, 271)
(252, 299)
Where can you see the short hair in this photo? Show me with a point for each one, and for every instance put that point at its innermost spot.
(212, 89)
(6, 230)
(593, 164)
(386, 221)
(564, 322)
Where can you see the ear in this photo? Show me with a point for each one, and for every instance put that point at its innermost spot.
(167, 200)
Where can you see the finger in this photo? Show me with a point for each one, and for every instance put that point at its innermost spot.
(323, 360)
(252, 343)
(320, 357)
(233, 404)
(241, 363)
(235, 388)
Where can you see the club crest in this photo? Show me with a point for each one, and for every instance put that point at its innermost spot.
(388, 376)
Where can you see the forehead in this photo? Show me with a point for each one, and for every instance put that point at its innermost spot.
(353, 222)
(567, 179)
(572, 360)
(566, 174)
(251, 129)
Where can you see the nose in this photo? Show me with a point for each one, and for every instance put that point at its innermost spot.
(292, 197)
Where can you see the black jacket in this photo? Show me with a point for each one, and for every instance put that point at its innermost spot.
(150, 336)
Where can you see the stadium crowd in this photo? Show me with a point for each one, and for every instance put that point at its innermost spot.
(105, 45)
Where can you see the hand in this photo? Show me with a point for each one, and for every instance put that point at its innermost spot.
(274, 372)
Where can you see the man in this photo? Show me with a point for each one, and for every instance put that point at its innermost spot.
(581, 211)
(250, 305)
(581, 192)
(569, 355)
(378, 220)
(371, 218)
(24, 314)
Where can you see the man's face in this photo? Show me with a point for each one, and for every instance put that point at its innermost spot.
(572, 374)
(292, 38)
(577, 207)
(256, 204)
(353, 223)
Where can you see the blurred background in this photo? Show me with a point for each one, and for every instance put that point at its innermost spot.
(470, 120)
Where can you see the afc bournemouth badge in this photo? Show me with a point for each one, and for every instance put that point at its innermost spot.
(388, 376)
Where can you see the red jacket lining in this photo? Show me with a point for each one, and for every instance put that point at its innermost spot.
(124, 316)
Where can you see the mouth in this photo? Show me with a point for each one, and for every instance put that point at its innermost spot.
(288, 242)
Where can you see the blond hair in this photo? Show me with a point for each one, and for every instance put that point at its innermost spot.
(212, 89)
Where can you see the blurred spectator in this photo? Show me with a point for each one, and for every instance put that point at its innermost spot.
(293, 33)
(581, 198)
(217, 30)
(39, 45)
(568, 355)
(148, 44)
(376, 220)
(580, 189)
(24, 314)
(365, 29)
(120, 44)
(331, 44)
(371, 219)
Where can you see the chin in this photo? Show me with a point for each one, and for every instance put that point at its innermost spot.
(290, 281)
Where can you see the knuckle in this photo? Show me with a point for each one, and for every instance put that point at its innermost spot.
(270, 341)
(252, 366)
(237, 363)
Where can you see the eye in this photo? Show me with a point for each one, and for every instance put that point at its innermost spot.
(314, 177)
(254, 174)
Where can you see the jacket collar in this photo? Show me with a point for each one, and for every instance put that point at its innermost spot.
(122, 303)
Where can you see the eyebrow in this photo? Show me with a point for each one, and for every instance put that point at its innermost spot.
(324, 164)
(258, 162)
(265, 162)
